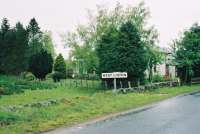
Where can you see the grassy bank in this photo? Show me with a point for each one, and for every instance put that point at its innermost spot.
(76, 105)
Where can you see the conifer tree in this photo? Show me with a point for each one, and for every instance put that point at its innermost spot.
(59, 68)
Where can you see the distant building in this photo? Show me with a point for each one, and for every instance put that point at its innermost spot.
(167, 68)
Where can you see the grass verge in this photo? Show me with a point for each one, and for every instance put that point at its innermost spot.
(79, 105)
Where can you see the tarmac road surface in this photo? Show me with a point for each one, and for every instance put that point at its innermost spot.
(179, 115)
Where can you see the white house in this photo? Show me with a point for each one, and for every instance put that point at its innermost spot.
(167, 69)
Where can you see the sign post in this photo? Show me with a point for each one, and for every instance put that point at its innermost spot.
(115, 84)
(114, 76)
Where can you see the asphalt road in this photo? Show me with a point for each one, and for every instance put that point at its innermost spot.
(179, 115)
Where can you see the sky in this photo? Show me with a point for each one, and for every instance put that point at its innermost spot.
(170, 17)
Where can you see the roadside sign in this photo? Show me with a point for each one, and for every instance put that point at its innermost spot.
(114, 75)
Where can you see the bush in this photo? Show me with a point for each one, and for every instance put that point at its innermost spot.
(7, 119)
(41, 64)
(93, 77)
(49, 76)
(57, 76)
(59, 68)
(157, 78)
(27, 76)
(70, 73)
(1, 91)
(12, 84)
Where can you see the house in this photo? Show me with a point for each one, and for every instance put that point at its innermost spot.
(167, 69)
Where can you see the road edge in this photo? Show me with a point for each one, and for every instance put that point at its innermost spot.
(116, 115)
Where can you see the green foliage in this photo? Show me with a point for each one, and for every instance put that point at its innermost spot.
(59, 68)
(122, 51)
(13, 45)
(49, 76)
(7, 118)
(84, 40)
(41, 64)
(157, 78)
(48, 43)
(27, 76)
(57, 76)
(70, 73)
(77, 105)
(187, 56)
(34, 38)
(18, 44)
(11, 85)
(155, 56)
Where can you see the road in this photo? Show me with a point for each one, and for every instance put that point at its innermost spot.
(180, 115)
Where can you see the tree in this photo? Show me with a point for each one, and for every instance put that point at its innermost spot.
(155, 56)
(33, 27)
(100, 23)
(59, 68)
(187, 54)
(5, 26)
(47, 43)
(34, 37)
(21, 55)
(13, 48)
(41, 64)
(122, 51)
(18, 45)
(7, 47)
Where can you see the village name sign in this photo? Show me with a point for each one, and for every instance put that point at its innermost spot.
(114, 76)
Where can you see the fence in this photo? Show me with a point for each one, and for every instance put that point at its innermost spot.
(81, 83)
(93, 81)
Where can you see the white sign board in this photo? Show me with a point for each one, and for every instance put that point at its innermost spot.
(114, 75)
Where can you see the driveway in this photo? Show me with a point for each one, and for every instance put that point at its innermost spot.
(179, 115)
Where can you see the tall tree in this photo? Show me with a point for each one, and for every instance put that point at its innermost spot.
(100, 23)
(5, 26)
(155, 57)
(34, 37)
(187, 55)
(122, 51)
(21, 48)
(18, 45)
(47, 43)
(33, 27)
(13, 47)
(6, 46)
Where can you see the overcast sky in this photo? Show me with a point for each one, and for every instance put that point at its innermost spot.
(170, 17)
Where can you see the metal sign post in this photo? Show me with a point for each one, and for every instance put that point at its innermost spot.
(114, 76)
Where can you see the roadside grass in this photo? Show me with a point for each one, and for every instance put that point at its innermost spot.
(79, 105)
(13, 85)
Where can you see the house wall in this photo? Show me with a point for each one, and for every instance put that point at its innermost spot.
(167, 64)
(161, 69)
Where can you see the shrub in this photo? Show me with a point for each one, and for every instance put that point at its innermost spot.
(59, 68)
(7, 119)
(1, 91)
(22, 75)
(12, 84)
(27, 76)
(70, 73)
(49, 76)
(41, 64)
(157, 78)
(93, 77)
(57, 76)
